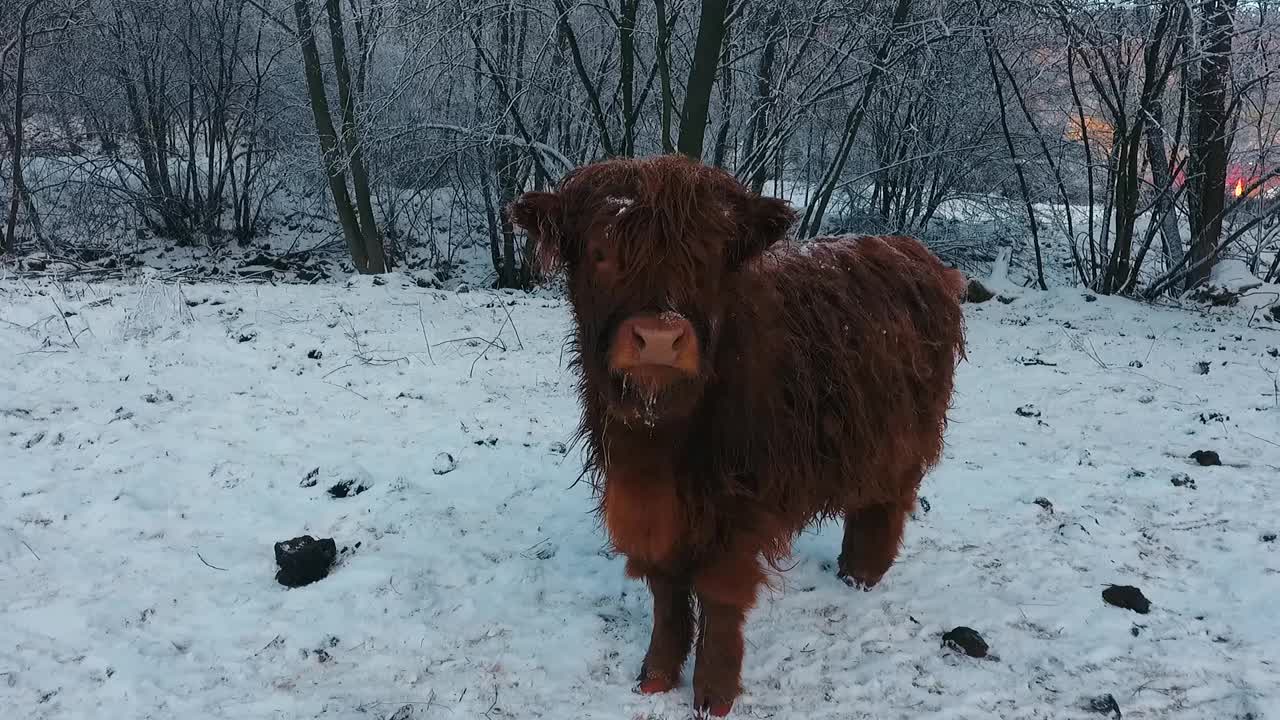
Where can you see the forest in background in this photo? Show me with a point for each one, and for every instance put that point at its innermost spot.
(1141, 136)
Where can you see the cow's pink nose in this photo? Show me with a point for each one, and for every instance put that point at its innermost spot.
(657, 344)
(655, 341)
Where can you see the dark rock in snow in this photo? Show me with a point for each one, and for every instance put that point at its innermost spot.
(157, 397)
(977, 292)
(1202, 368)
(1104, 705)
(965, 640)
(491, 441)
(1183, 480)
(1044, 503)
(1206, 457)
(1268, 537)
(1127, 597)
(311, 479)
(444, 464)
(315, 354)
(404, 713)
(347, 488)
(1028, 411)
(1090, 297)
(304, 560)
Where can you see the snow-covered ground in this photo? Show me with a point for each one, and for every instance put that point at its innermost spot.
(149, 466)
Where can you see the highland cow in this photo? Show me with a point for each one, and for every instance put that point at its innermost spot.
(736, 389)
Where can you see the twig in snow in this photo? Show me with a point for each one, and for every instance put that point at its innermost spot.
(422, 324)
(1261, 439)
(344, 387)
(1151, 379)
(343, 367)
(33, 552)
(1090, 352)
(501, 345)
(512, 321)
(1151, 347)
(363, 355)
(64, 321)
(1275, 385)
(274, 640)
(493, 704)
(489, 347)
(206, 562)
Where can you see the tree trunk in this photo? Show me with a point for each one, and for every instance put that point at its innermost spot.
(763, 99)
(1158, 157)
(329, 150)
(702, 77)
(811, 223)
(351, 140)
(1032, 221)
(721, 147)
(584, 75)
(662, 56)
(627, 68)
(19, 94)
(1209, 154)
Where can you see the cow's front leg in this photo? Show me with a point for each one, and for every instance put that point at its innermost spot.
(672, 633)
(726, 590)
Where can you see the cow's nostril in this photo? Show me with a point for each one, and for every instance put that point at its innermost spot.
(678, 342)
(639, 338)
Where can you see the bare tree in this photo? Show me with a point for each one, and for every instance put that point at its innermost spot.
(19, 94)
(359, 229)
(1208, 151)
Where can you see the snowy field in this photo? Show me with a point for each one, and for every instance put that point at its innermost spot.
(150, 464)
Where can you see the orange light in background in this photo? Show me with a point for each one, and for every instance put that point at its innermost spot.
(1239, 188)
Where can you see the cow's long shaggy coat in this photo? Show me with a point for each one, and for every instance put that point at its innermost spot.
(824, 377)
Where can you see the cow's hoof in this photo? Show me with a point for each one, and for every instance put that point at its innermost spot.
(710, 709)
(655, 685)
(856, 582)
(709, 705)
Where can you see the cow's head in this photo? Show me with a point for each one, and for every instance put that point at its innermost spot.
(651, 247)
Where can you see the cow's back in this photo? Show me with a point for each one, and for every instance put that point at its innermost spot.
(859, 339)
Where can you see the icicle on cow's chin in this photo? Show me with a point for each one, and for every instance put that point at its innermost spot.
(649, 409)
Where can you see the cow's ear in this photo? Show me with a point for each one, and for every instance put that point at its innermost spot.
(541, 214)
(761, 222)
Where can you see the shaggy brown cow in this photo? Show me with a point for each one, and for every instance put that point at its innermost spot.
(734, 392)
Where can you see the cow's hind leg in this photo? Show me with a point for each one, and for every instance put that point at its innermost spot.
(872, 535)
